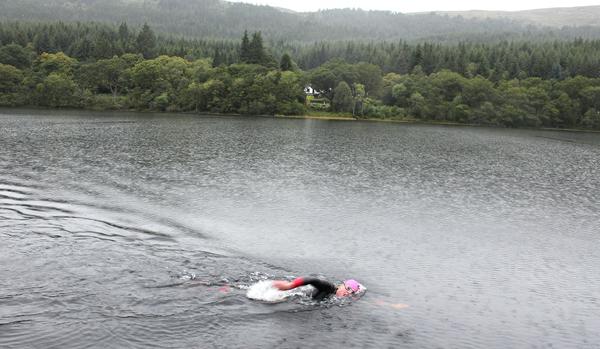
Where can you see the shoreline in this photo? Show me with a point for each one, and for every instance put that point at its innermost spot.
(425, 122)
(307, 116)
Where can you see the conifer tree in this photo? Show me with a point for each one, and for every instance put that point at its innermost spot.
(245, 48)
(146, 42)
(218, 58)
(123, 33)
(286, 62)
(42, 43)
(257, 51)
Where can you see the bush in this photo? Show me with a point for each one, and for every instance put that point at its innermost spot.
(160, 102)
(591, 119)
(10, 100)
(57, 90)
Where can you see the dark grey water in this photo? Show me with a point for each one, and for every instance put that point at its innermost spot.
(129, 230)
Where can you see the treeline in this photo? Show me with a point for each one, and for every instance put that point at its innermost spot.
(93, 41)
(450, 97)
(499, 61)
(164, 84)
(503, 60)
(550, 85)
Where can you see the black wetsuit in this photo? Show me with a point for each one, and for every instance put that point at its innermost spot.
(323, 289)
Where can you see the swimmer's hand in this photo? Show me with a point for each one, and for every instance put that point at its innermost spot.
(282, 285)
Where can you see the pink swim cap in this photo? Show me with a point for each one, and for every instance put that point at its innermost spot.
(353, 285)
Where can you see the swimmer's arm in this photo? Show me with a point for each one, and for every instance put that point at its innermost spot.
(285, 285)
(320, 285)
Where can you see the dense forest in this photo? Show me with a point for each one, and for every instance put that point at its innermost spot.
(501, 60)
(216, 19)
(513, 84)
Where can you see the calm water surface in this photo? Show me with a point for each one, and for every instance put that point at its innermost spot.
(138, 230)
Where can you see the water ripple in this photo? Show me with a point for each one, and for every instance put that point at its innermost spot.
(145, 233)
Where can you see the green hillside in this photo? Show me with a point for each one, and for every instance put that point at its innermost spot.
(224, 20)
(553, 17)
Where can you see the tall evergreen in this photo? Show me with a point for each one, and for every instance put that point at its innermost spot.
(245, 48)
(42, 42)
(257, 53)
(146, 42)
(218, 58)
(286, 62)
(123, 33)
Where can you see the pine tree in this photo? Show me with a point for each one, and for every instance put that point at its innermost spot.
(124, 38)
(123, 33)
(218, 58)
(417, 58)
(146, 42)
(257, 51)
(245, 48)
(42, 43)
(286, 63)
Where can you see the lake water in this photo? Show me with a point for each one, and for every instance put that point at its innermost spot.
(144, 230)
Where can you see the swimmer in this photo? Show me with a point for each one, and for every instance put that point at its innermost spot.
(323, 288)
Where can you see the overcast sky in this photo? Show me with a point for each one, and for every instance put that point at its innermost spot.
(422, 5)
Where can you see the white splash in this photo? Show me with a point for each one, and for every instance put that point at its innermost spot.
(264, 291)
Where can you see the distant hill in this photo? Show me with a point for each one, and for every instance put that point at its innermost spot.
(553, 17)
(216, 19)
